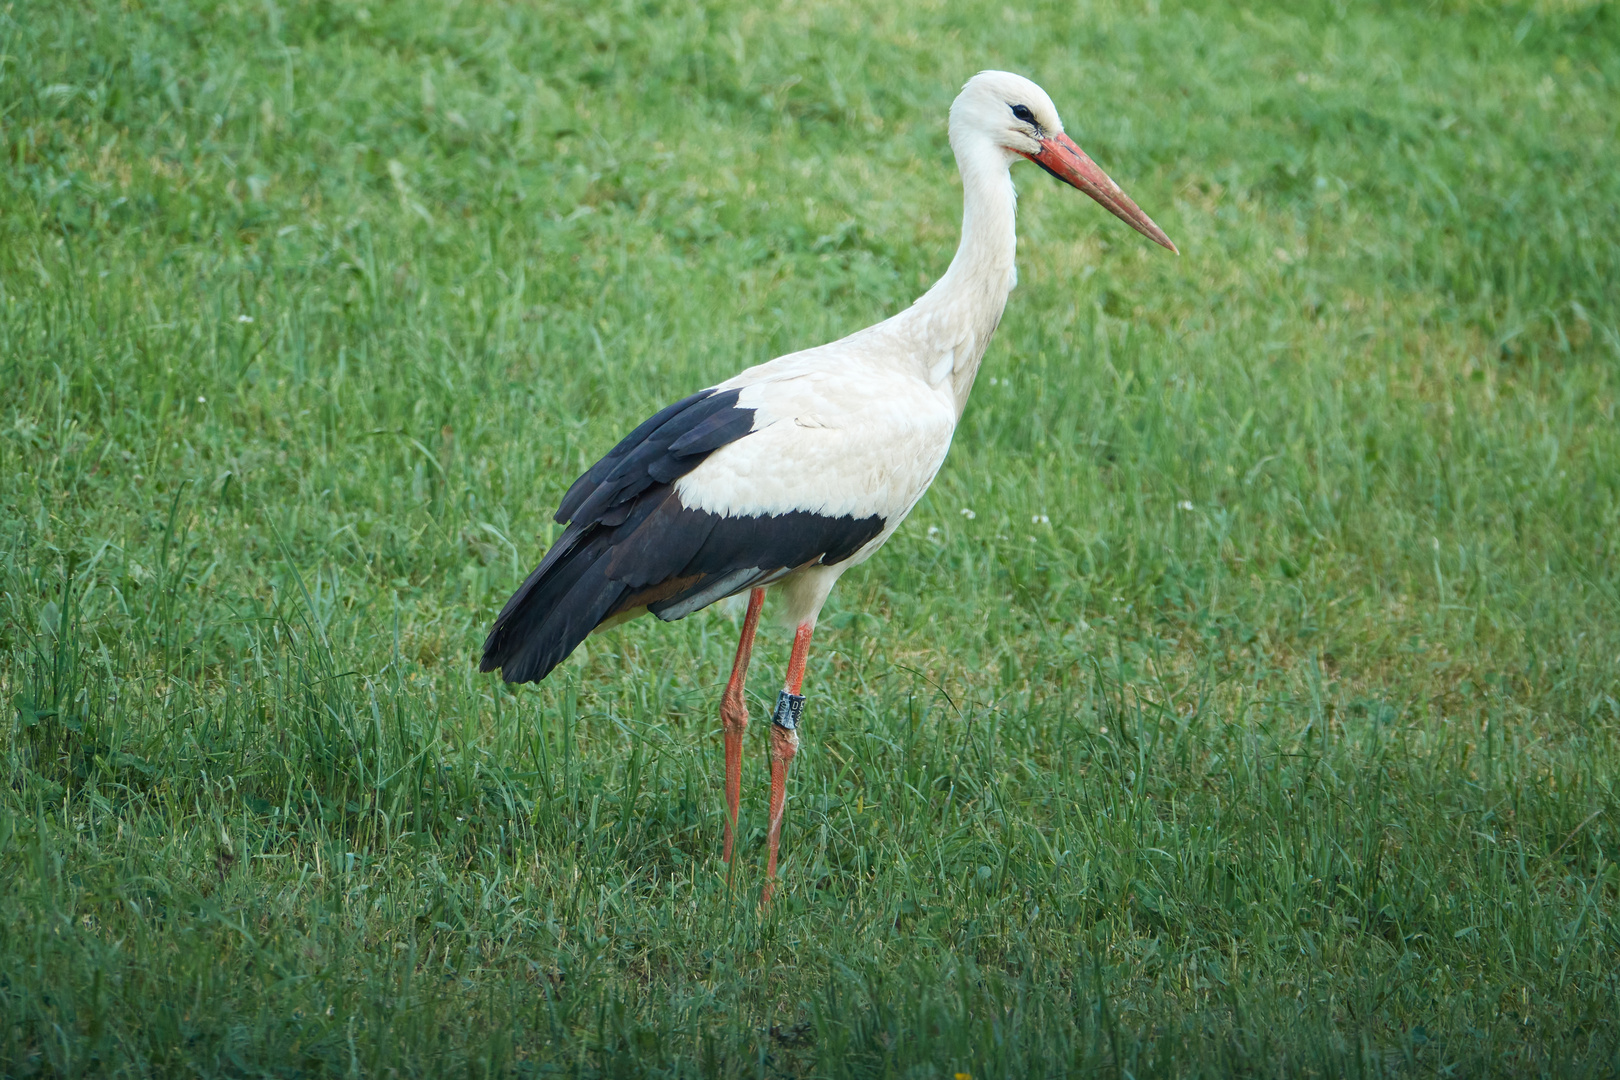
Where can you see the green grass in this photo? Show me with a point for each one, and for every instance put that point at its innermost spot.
(1261, 719)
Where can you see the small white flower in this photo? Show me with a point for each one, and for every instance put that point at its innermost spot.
(201, 400)
(933, 530)
(244, 318)
(1103, 729)
(970, 515)
(1185, 504)
(1040, 519)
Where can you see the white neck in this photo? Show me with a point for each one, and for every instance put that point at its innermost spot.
(950, 325)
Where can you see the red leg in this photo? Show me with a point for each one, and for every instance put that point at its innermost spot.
(734, 714)
(784, 744)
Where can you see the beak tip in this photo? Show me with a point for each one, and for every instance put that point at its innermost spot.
(1157, 235)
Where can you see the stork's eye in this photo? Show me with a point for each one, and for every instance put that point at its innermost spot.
(1022, 112)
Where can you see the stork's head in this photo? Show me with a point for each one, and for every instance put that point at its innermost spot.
(1013, 115)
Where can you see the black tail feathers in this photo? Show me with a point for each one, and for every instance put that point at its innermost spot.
(568, 596)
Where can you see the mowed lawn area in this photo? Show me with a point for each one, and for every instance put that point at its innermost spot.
(1244, 698)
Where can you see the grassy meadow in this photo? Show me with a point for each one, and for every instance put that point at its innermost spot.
(1244, 699)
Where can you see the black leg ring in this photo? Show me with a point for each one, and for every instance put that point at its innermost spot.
(788, 708)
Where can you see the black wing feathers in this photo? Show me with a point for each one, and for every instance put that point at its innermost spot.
(631, 543)
(594, 476)
(648, 456)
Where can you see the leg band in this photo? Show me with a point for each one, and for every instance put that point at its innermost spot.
(788, 708)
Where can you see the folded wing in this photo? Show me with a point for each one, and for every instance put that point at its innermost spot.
(631, 542)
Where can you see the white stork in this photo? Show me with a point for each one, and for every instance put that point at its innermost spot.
(796, 470)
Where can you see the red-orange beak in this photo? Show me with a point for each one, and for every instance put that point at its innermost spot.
(1066, 161)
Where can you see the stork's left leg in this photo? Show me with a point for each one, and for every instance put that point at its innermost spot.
(734, 714)
(784, 744)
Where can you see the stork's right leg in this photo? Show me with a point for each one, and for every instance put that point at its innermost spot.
(784, 744)
(734, 715)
